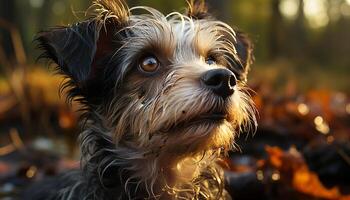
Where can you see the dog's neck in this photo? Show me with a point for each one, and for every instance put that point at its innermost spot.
(135, 172)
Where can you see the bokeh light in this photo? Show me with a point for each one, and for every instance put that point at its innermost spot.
(289, 8)
(321, 125)
(316, 13)
(303, 109)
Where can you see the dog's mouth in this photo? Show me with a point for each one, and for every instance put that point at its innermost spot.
(209, 118)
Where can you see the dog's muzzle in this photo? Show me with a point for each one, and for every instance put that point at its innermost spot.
(220, 81)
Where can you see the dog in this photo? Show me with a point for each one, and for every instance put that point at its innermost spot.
(164, 97)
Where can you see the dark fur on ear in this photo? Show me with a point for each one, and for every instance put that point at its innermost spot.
(244, 49)
(71, 48)
(197, 9)
(82, 50)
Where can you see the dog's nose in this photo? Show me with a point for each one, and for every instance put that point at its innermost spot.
(220, 81)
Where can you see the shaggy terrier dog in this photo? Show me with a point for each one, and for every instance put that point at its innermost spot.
(164, 98)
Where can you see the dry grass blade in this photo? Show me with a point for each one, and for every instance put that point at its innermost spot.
(16, 139)
(7, 149)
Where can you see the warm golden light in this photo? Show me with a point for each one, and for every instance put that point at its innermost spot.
(318, 120)
(31, 172)
(324, 129)
(316, 13)
(275, 176)
(321, 125)
(347, 108)
(303, 109)
(260, 175)
(289, 8)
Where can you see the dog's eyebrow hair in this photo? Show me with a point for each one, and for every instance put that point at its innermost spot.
(149, 35)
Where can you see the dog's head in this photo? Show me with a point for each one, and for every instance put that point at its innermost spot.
(171, 84)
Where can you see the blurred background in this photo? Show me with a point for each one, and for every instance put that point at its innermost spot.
(301, 149)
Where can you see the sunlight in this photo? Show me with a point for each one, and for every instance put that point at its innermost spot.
(316, 13)
(289, 8)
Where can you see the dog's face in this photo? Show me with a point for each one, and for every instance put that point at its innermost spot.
(165, 85)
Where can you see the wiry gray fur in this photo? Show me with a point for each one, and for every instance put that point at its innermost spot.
(140, 138)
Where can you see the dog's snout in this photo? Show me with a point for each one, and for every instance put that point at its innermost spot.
(220, 81)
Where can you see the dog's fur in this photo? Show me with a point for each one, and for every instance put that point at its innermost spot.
(141, 139)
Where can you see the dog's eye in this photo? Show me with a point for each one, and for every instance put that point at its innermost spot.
(210, 60)
(149, 64)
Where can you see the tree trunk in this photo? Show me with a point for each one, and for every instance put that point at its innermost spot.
(276, 31)
(7, 10)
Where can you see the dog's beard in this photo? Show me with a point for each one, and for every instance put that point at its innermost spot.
(180, 116)
(175, 125)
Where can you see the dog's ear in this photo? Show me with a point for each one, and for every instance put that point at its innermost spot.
(197, 9)
(79, 48)
(72, 48)
(244, 48)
